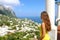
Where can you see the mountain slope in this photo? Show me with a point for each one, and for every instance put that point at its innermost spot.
(7, 11)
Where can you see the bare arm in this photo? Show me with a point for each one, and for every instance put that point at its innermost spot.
(43, 31)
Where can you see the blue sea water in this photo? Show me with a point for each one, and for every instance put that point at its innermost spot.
(35, 19)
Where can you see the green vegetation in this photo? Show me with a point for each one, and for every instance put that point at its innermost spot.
(29, 30)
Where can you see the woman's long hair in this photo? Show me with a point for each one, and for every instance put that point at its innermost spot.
(45, 17)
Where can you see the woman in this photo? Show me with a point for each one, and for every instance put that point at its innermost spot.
(45, 26)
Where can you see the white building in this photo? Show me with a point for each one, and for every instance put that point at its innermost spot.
(50, 8)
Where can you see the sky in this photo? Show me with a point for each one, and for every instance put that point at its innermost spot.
(30, 8)
(25, 8)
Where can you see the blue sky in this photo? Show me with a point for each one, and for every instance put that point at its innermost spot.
(30, 8)
(26, 8)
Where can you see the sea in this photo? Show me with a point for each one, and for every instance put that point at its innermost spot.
(35, 19)
(38, 20)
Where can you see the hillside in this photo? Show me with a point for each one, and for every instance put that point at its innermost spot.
(17, 29)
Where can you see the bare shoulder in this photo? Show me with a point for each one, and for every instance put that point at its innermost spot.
(43, 25)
